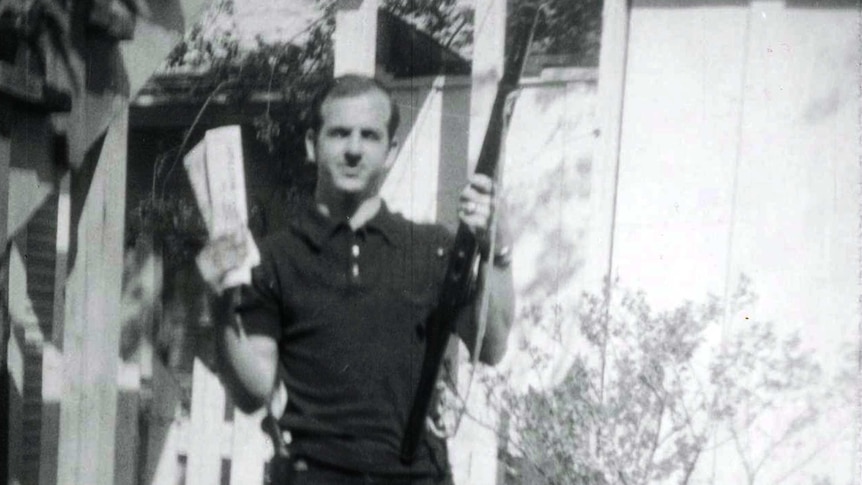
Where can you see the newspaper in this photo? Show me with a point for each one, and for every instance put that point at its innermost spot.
(215, 169)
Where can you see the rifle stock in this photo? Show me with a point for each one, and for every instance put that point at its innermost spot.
(464, 254)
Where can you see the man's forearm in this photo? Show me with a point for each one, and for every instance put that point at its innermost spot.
(248, 363)
(501, 307)
(501, 304)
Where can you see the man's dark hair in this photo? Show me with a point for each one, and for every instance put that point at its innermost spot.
(348, 86)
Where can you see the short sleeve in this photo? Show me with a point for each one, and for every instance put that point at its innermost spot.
(260, 301)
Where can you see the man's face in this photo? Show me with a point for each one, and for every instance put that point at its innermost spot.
(352, 149)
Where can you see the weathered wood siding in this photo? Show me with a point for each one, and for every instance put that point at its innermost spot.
(740, 155)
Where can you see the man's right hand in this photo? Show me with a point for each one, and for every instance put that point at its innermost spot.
(226, 260)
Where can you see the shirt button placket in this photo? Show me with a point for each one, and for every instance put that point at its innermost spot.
(354, 263)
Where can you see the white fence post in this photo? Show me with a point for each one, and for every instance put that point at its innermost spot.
(250, 449)
(355, 37)
(206, 437)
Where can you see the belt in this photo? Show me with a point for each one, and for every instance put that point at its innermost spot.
(303, 470)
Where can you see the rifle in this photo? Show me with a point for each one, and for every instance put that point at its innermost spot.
(465, 254)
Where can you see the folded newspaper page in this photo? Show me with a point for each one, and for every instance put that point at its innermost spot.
(215, 169)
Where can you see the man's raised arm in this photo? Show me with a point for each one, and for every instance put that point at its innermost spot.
(495, 274)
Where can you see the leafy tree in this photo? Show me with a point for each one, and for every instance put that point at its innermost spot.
(568, 28)
(209, 42)
(447, 21)
(652, 391)
(571, 28)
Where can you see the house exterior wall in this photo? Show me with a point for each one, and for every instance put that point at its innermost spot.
(740, 155)
(547, 190)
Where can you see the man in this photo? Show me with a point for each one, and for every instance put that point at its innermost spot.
(340, 301)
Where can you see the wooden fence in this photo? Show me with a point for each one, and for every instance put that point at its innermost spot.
(212, 444)
(191, 432)
(175, 423)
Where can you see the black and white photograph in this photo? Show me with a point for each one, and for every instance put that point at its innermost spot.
(431, 242)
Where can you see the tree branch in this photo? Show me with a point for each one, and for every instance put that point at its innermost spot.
(800, 464)
(789, 432)
(654, 445)
(740, 449)
(689, 469)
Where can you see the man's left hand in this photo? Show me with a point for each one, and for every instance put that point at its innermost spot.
(476, 205)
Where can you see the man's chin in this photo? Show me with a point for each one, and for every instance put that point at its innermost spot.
(352, 187)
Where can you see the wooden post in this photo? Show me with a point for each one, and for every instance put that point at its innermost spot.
(207, 423)
(411, 185)
(163, 431)
(489, 41)
(52, 358)
(474, 448)
(250, 448)
(598, 265)
(356, 37)
(609, 113)
(91, 334)
(160, 448)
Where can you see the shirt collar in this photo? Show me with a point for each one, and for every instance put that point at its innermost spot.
(390, 225)
(318, 227)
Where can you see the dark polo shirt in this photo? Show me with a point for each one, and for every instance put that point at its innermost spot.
(348, 310)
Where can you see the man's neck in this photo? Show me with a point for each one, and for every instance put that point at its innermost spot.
(355, 212)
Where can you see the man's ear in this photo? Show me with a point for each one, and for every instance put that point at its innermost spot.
(309, 145)
(393, 151)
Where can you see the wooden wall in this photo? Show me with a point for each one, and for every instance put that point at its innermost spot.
(103, 57)
(740, 156)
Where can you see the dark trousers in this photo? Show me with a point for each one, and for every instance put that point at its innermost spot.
(301, 471)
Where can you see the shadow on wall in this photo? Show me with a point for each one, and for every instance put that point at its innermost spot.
(547, 191)
(830, 87)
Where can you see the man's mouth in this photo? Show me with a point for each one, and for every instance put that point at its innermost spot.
(350, 170)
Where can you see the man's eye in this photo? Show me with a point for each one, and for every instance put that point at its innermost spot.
(371, 135)
(339, 133)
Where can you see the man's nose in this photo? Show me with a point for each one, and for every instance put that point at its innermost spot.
(353, 150)
(354, 145)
